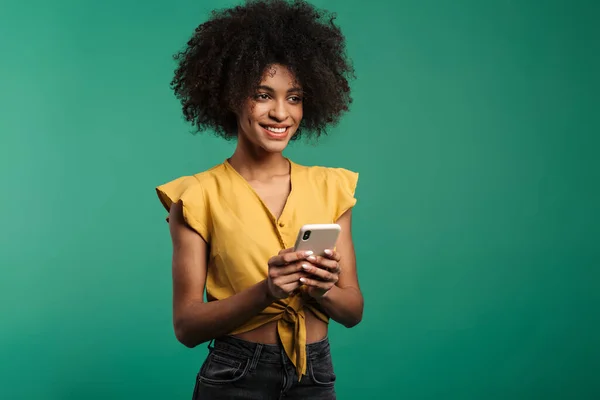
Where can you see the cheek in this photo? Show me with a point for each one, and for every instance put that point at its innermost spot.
(258, 112)
(248, 115)
(298, 114)
(242, 117)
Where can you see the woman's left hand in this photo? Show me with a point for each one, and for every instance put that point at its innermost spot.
(324, 273)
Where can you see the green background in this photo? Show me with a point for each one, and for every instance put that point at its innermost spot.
(475, 131)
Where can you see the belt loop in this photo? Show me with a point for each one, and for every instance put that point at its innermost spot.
(256, 356)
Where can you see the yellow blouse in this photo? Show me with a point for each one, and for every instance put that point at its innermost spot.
(242, 234)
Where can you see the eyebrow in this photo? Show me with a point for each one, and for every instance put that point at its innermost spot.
(270, 89)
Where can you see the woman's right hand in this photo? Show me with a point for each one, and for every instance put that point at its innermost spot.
(285, 271)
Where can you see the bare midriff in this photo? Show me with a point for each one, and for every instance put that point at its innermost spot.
(316, 330)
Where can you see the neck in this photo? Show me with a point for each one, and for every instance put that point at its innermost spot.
(257, 164)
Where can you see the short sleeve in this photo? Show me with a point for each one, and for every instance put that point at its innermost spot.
(343, 182)
(188, 191)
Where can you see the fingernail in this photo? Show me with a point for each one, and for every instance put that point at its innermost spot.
(302, 280)
(308, 253)
(328, 252)
(305, 266)
(312, 258)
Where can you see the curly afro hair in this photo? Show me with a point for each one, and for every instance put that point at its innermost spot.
(225, 59)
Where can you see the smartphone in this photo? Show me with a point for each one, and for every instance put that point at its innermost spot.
(317, 238)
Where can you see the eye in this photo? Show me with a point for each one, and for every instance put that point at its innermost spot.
(262, 96)
(295, 99)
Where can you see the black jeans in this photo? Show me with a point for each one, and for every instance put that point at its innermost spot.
(238, 369)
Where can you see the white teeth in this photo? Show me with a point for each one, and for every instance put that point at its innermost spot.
(275, 130)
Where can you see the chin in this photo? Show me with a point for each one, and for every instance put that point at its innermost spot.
(275, 143)
(274, 146)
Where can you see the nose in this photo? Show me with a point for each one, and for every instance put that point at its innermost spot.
(279, 111)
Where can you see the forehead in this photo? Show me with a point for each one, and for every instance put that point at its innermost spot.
(279, 76)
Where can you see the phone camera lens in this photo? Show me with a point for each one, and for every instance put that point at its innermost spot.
(306, 235)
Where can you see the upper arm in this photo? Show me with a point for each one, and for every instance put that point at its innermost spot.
(189, 261)
(348, 276)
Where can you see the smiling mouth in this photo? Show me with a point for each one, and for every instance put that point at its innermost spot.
(276, 132)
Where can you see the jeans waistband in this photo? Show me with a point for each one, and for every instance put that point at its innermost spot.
(271, 353)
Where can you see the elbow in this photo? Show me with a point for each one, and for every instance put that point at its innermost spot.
(184, 338)
(186, 342)
(351, 323)
(355, 318)
(185, 335)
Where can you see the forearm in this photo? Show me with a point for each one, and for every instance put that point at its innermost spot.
(202, 321)
(343, 305)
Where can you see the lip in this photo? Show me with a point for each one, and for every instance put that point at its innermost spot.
(277, 136)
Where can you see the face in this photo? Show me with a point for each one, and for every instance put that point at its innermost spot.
(272, 115)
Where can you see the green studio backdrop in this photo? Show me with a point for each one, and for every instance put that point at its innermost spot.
(475, 132)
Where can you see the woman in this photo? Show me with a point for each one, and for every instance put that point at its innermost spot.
(263, 73)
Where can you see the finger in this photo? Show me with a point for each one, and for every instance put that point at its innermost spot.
(333, 255)
(320, 273)
(284, 251)
(297, 256)
(287, 269)
(292, 288)
(323, 262)
(277, 260)
(287, 279)
(289, 257)
(316, 283)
